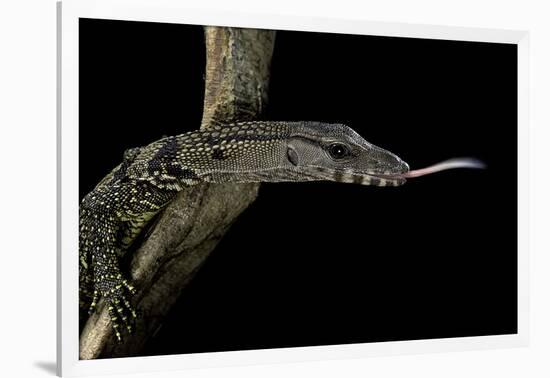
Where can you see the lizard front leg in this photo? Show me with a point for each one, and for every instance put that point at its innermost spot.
(99, 227)
(108, 212)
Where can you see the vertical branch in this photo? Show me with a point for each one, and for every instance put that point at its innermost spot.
(237, 76)
(239, 90)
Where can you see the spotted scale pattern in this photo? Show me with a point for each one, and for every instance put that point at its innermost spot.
(114, 213)
(149, 177)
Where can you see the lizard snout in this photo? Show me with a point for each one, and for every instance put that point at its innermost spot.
(403, 167)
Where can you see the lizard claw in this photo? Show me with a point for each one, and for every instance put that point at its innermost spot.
(115, 322)
(121, 313)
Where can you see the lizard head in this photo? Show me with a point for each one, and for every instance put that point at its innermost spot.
(335, 152)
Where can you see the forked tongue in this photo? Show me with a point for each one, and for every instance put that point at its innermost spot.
(444, 165)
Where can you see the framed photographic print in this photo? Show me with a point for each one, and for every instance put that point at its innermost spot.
(240, 189)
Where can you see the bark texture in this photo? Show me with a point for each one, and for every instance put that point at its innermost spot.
(237, 77)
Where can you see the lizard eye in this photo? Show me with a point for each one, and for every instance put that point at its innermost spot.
(338, 150)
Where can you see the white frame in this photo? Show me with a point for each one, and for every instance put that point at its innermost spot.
(173, 11)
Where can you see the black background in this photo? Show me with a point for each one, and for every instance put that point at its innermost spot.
(324, 263)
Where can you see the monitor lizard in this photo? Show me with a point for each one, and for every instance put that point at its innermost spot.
(118, 208)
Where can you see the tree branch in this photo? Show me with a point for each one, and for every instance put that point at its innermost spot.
(237, 77)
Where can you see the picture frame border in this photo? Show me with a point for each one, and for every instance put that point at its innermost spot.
(174, 11)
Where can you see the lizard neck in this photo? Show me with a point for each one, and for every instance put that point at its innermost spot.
(240, 152)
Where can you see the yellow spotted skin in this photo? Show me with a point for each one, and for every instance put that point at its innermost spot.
(115, 212)
(119, 207)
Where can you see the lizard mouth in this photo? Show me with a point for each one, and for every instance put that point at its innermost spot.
(384, 179)
(370, 178)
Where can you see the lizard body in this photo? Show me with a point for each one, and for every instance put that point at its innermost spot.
(114, 213)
